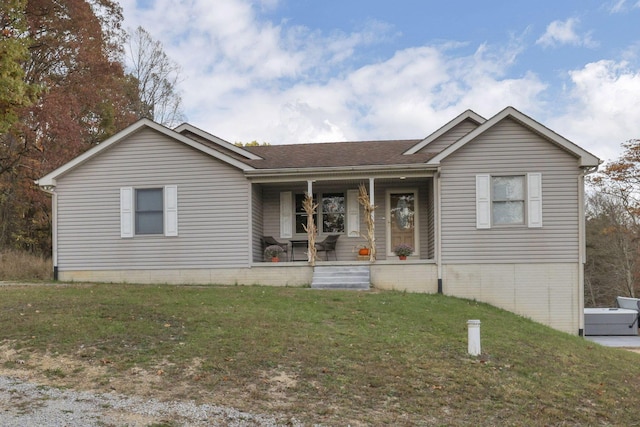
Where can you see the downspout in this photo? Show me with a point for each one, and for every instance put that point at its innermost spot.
(582, 252)
(51, 189)
(54, 233)
(438, 226)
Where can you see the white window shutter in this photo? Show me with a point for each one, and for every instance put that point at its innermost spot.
(286, 215)
(534, 199)
(353, 214)
(171, 210)
(483, 201)
(126, 212)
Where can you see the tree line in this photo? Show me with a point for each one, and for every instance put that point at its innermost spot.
(613, 230)
(64, 87)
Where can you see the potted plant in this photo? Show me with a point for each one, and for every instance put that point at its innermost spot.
(403, 250)
(273, 252)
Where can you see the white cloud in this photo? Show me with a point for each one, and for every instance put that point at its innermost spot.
(605, 107)
(621, 6)
(564, 33)
(250, 79)
(617, 6)
(407, 96)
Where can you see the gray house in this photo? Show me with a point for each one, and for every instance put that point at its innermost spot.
(493, 208)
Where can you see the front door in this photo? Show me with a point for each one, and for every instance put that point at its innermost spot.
(402, 223)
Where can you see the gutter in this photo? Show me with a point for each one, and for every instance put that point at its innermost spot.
(279, 172)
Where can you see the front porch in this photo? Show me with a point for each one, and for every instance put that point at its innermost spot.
(405, 213)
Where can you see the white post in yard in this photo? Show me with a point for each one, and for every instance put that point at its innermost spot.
(473, 327)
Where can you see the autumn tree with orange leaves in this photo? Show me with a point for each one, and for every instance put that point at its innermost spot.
(77, 94)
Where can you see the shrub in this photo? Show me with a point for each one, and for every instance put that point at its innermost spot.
(18, 265)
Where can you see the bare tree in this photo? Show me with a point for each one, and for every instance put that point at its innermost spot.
(613, 262)
(157, 77)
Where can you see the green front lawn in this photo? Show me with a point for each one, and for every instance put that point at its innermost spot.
(329, 357)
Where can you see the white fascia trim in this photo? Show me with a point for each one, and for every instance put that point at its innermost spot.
(586, 159)
(339, 169)
(216, 140)
(469, 114)
(50, 178)
(342, 175)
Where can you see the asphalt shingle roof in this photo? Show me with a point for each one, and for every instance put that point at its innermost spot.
(336, 154)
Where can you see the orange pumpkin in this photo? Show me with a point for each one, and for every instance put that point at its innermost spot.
(363, 251)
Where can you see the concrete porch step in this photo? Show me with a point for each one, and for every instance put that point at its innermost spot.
(341, 277)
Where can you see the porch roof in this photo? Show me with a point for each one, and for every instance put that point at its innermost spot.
(336, 154)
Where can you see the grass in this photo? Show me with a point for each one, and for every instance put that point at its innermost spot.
(372, 358)
(24, 266)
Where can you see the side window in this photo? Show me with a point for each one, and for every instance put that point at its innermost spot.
(149, 211)
(507, 200)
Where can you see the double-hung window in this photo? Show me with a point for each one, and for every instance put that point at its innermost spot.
(149, 211)
(509, 200)
(331, 211)
(337, 212)
(301, 215)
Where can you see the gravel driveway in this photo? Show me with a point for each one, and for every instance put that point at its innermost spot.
(24, 404)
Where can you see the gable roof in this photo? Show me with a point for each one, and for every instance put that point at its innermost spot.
(467, 115)
(586, 159)
(336, 154)
(343, 156)
(187, 128)
(50, 178)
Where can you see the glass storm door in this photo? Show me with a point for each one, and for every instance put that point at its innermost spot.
(402, 221)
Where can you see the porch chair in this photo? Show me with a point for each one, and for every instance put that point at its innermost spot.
(328, 245)
(269, 240)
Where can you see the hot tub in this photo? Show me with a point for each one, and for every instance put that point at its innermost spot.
(610, 321)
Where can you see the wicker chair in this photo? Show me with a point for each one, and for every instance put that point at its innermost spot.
(328, 245)
(268, 241)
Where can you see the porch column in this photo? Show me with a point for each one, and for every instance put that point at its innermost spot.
(372, 196)
(310, 187)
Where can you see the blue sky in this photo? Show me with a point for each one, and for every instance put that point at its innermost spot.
(285, 71)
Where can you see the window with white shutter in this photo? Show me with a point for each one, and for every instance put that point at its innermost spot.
(508, 200)
(148, 211)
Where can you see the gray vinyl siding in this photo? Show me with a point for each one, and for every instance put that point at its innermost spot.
(510, 148)
(450, 137)
(213, 218)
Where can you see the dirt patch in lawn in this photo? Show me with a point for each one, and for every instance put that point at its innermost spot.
(97, 376)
